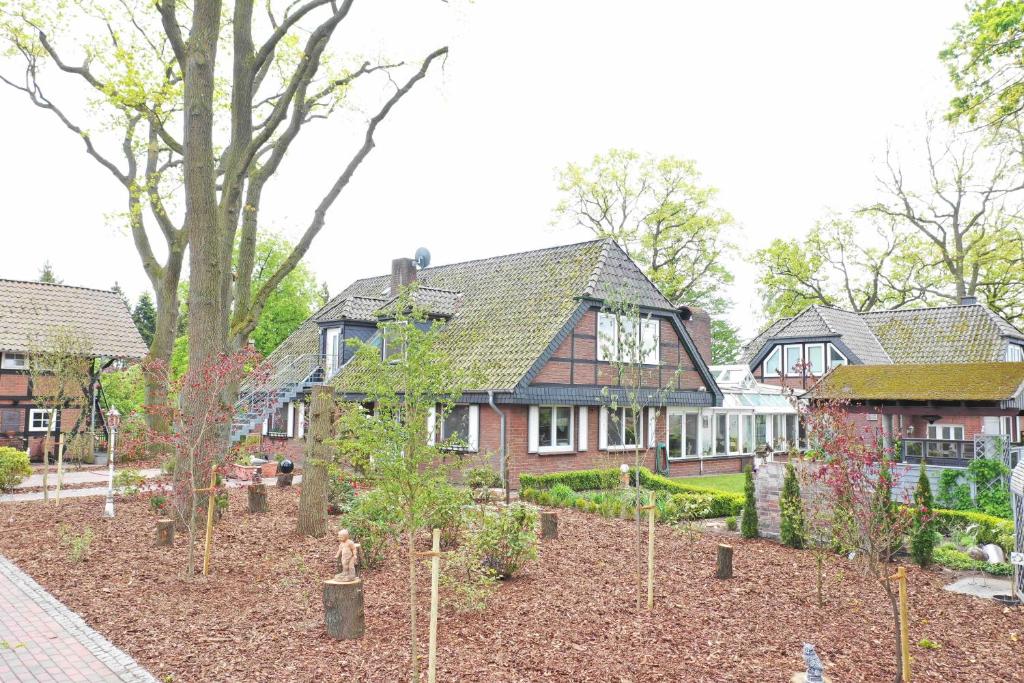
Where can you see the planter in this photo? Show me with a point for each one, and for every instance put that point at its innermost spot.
(268, 469)
(99, 458)
(242, 472)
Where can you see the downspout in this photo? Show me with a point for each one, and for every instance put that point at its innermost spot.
(503, 463)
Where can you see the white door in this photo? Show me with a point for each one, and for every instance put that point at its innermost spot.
(331, 339)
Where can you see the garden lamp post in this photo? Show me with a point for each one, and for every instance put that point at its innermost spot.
(113, 422)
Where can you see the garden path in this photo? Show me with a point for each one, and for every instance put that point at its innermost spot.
(42, 641)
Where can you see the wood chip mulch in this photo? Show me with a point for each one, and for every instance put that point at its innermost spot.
(569, 616)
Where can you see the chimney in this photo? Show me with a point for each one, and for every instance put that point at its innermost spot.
(698, 325)
(968, 300)
(403, 273)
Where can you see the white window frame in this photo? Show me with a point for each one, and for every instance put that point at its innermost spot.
(581, 425)
(951, 427)
(832, 348)
(38, 413)
(824, 359)
(682, 415)
(748, 434)
(10, 360)
(608, 344)
(1014, 353)
(777, 351)
(606, 418)
(473, 438)
(332, 348)
(788, 367)
(534, 430)
(650, 327)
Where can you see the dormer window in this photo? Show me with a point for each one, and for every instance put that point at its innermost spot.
(393, 347)
(835, 357)
(773, 363)
(794, 359)
(816, 359)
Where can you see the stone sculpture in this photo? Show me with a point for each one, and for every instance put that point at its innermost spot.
(815, 671)
(346, 557)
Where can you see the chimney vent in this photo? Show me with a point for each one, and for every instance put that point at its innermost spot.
(403, 273)
(968, 301)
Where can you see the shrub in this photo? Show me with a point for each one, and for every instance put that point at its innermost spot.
(730, 523)
(167, 466)
(922, 533)
(128, 481)
(792, 530)
(987, 475)
(446, 504)
(467, 581)
(690, 506)
(158, 504)
(14, 467)
(987, 529)
(748, 523)
(579, 480)
(482, 478)
(79, 449)
(77, 544)
(372, 523)
(950, 557)
(562, 493)
(506, 538)
(340, 491)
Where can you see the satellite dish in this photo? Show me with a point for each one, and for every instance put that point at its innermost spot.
(422, 257)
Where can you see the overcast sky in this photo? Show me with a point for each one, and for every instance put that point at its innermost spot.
(785, 107)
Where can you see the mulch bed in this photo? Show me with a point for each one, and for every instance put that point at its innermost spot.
(568, 616)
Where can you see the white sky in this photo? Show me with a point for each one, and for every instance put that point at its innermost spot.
(784, 106)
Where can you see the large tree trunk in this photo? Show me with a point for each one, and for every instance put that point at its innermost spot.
(156, 371)
(205, 304)
(313, 498)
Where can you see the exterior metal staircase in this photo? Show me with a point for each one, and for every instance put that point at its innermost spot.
(292, 376)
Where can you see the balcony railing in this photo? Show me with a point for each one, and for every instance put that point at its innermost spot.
(938, 450)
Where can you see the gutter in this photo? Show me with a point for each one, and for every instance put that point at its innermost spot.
(501, 444)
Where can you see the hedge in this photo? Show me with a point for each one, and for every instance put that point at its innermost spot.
(954, 559)
(723, 504)
(989, 529)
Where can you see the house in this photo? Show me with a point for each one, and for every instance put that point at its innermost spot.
(753, 412)
(30, 313)
(797, 352)
(535, 327)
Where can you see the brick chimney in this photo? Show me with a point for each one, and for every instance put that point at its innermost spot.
(403, 273)
(698, 324)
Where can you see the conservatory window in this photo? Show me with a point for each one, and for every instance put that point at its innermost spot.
(734, 434)
(748, 434)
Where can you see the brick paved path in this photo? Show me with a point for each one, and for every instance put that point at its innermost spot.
(42, 641)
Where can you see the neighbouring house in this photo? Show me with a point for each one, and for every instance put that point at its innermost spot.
(946, 413)
(900, 345)
(30, 313)
(540, 337)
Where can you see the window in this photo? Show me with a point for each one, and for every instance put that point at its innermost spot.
(622, 428)
(1015, 353)
(10, 420)
(690, 439)
(946, 432)
(277, 421)
(720, 434)
(618, 336)
(332, 345)
(394, 342)
(760, 430)
(13, 361)
(1006, 427)
(734, 434)
(816, 359)
(39, 420)
(554, 428)
(778, 432)
(792, 433)
(835, 357)
(459, 427)
(748, 434)
(773, 363)
(682, 435)
(794, 359)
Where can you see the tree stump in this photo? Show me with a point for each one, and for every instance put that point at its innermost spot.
(285, 479)
(723, 569)
(343, 609)
(165, 532)
(549, 525)
(258, 498)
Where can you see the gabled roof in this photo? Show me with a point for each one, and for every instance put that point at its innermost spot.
(506, 310)
(956, 334)
(987, 382)
(32, 311)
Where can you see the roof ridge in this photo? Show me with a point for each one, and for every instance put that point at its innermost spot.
(58, 284)
(822, 319)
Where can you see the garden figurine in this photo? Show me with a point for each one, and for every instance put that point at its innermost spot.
(346, 557)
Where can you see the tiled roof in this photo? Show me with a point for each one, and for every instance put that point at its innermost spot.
(505, 310)
(363, 308)
(31, 311)
(432, 301)
(946, 334)
(922, 382)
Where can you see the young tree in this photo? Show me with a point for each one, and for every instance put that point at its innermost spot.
(144, 316)
(857, 484)
(659, 211)
(412, 388)
(46, 275)
(748, 522)
(148, 70)
(60, 371)
(630, 347)
(793, 531)
(922, 533)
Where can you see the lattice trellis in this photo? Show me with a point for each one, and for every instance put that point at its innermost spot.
(1017, 493)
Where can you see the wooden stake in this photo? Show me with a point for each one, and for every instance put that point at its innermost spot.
(651, 509)
(435, 572)
(901, 577)
(211, 502)
(60, 464)
(724, 566)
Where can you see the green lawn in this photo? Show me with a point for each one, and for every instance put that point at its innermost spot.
(730, 483)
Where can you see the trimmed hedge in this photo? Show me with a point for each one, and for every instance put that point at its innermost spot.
(954, 559)
(722, 504)
(989, 529)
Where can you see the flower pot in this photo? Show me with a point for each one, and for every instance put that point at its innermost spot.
(268, 469)
(242, 472)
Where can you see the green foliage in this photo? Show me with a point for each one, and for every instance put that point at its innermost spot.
(562, 492)
(374, 524)
(167, 466)
(793, 530)
(128, 481)
(951, 558)
(79, 449)
(447, 511)
(158, 504)
(722, 503)
(730, 523)
(14, 467)
(989, 478)
(468, 583)
(46, 275)
(929, 644)
(687, 507)
(144, 317)
(480, 481)
(505, 538)
(725, 342)
(954, 492)
(985, 528)
(748, 522)
(125, 389)
(922, 532)
(77, 544)
(579, 480)
(341, 494)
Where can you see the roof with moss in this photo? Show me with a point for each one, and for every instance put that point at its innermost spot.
(996, 381)
(503, 311)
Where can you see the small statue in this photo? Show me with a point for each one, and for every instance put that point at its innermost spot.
(347, 556)
(813, 662)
